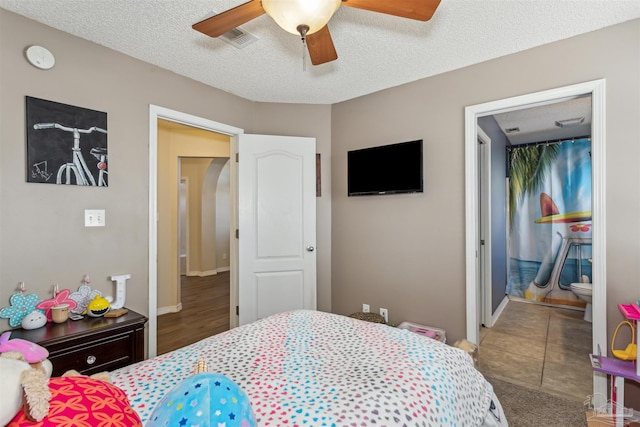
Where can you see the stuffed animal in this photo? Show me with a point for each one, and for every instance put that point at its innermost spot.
(470, 348)
(26, 385)
(25, 382)
(10, 371)
(25, 372)
(102, 376)
(32, 352)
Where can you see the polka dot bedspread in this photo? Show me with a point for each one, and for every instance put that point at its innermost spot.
(309, 368)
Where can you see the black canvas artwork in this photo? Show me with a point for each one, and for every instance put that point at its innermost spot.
(66, 144)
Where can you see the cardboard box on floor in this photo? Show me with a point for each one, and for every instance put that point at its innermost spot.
(596, 419)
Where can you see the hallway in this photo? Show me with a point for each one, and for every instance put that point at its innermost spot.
(541, 347)
(205, 312)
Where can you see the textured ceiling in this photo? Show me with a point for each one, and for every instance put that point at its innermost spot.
(538, 124)
(375, 51)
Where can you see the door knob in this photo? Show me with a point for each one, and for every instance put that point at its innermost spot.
(310, 249)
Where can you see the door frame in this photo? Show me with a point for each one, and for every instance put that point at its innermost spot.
(186, 219)
(155, 113)
(596, 89)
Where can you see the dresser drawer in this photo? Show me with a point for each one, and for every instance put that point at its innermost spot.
(94, 357)
(92, 344)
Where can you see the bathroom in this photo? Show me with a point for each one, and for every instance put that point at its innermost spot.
(542, 333)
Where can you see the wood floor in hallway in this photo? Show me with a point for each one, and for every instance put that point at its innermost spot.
(541, 347)
(205, 312)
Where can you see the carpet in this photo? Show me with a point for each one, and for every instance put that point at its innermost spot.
(527, 407)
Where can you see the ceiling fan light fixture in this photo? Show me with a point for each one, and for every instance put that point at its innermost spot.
(289, 14)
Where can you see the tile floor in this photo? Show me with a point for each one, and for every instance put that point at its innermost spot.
(540, 347)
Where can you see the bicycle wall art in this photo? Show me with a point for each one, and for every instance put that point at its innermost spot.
(66, 144)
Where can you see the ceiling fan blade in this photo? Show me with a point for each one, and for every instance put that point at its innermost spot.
(320, 46)
(230, 19)
(421, 10)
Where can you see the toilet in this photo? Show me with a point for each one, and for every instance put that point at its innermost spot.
(584, 292)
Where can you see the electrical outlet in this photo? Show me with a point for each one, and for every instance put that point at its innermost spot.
(366, 308)
(384, 313)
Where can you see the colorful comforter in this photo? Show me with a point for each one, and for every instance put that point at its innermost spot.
(309, 368)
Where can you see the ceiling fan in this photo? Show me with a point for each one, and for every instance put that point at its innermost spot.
(309, 18)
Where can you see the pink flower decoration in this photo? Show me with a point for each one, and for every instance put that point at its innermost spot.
(61, 298)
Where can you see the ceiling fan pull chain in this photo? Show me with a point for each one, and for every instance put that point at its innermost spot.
(302, 29)
(304, 56)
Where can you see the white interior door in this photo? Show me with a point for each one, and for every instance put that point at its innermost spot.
(484, 228)
(277, 225)
(480, 241)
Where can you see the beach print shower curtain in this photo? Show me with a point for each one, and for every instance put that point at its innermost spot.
(550, 221)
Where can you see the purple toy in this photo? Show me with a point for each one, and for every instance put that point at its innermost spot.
(32, 352)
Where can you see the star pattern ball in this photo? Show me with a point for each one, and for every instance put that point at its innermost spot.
(204, 399)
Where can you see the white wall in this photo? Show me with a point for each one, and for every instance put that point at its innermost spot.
(222, 219)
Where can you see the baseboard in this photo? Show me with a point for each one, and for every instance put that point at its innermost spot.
(528, 301)
(170, 309)
(496, 314)
(202, 273)
(223, 269)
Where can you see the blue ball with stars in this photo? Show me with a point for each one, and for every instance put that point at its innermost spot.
(206, 399)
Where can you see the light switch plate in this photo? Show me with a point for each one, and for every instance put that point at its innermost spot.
(94, 218)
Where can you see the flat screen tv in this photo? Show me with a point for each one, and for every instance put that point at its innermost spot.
(387, 169)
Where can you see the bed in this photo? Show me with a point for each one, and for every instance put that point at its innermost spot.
(318, 369)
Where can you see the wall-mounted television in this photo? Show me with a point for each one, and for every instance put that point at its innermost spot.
(387, 169)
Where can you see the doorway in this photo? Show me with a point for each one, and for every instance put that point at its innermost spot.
(472, 114)
(287, 163)
(159, 113)
(203, 212)
(200, 288)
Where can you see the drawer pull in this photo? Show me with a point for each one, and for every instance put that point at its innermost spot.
(91, 360)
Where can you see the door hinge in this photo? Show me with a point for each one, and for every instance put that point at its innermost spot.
(237, 233)
(237, 310)
(482, 242)
(237, 157)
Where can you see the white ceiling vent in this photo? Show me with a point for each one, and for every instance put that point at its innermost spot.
(238, 38)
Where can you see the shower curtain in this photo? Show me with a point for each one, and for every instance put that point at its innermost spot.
(550, 220)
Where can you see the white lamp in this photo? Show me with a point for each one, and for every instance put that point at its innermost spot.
(291, 14)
